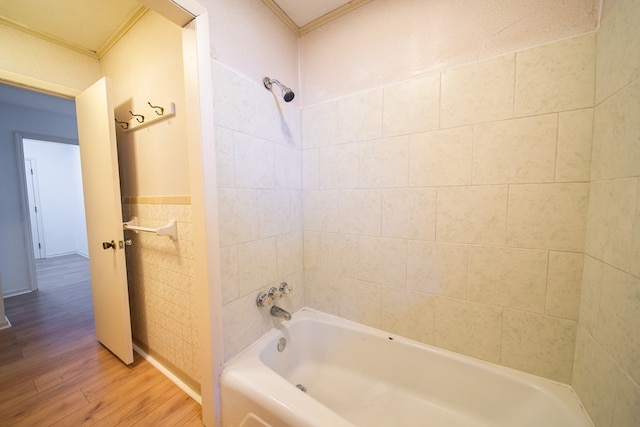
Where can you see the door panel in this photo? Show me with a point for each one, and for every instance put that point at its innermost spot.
(101, 182)
(37, 239)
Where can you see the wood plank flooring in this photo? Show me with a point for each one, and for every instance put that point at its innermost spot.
(53, 372)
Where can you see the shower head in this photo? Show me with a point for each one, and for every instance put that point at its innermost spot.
(287, 93)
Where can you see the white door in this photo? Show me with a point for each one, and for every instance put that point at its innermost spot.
(35, 218)
(101, 182)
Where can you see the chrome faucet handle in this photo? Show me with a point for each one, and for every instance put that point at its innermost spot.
(274, 293)
(285, 288)
(264, 300)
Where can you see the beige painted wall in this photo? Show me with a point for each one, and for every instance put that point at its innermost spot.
(387, 40)
(146, 66)
(153, 159)
(607, 364)
(39, 63)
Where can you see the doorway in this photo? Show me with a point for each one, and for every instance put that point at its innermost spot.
(199, 140)
(55, 199)
(52, 198)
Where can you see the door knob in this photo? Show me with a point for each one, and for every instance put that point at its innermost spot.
(107, 245)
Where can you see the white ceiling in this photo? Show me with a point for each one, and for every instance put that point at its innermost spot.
(91, 26)
(303, 12)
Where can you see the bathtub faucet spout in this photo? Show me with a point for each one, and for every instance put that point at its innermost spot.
(279, 312)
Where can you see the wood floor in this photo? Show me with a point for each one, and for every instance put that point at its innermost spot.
(53, 372)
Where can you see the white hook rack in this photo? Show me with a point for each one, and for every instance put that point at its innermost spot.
(170, 229)
(153, 114)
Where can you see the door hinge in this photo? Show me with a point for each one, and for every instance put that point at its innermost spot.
(36, 209)
(39, 246)
(31, 171)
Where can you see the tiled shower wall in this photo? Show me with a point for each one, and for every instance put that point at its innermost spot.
(161, 285)
(260, 202)
(607, 365)
(451, 208)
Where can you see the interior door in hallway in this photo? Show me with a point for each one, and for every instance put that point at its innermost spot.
(34, 211)
(101, 182)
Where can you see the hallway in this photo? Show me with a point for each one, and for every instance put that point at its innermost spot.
(54, 372)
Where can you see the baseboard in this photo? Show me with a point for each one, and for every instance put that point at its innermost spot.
(16, 293)
(5, 324)
(59, 254)
(167, 373)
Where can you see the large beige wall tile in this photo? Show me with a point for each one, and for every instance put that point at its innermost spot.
(610, 230)
(320, 210)
(224, 157)
(515, 151)
(408, 313)
(322, 290)
(320, 125)
(625, 119)
(383, 260)
(477, 93)
(360, 116)
(635, 250)
(564, 279)
(289, 253)
(619, 226)
(334, 253)
(359, 212)
(556, 77)
(409, 213)
(411, 106)
(274, 212)
(475, 214)
(550, 216)
(437, 268)
(603, 141)
(338, 166)
(257, 264)
(594, 379)
(538, 344)
(360, 301)
(468, 328)
(287, 162)
(229, 273)
(242, 324)
(617, 59)
(441, 157)
(296, 210)
(254, 162)
(575, 135)
(508, 277)
(619, 319)
(273, 119)
(590, 294)
(384, 163)
(627, 407)
(310, 169)
(237, 215)
(596, 237)
(233, 103)
(616, 152)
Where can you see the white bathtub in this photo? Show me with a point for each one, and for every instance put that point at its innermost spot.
(355, 375)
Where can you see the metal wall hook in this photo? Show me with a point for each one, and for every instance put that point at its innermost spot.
(123, 125)
(139, 117)
(156, 108)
